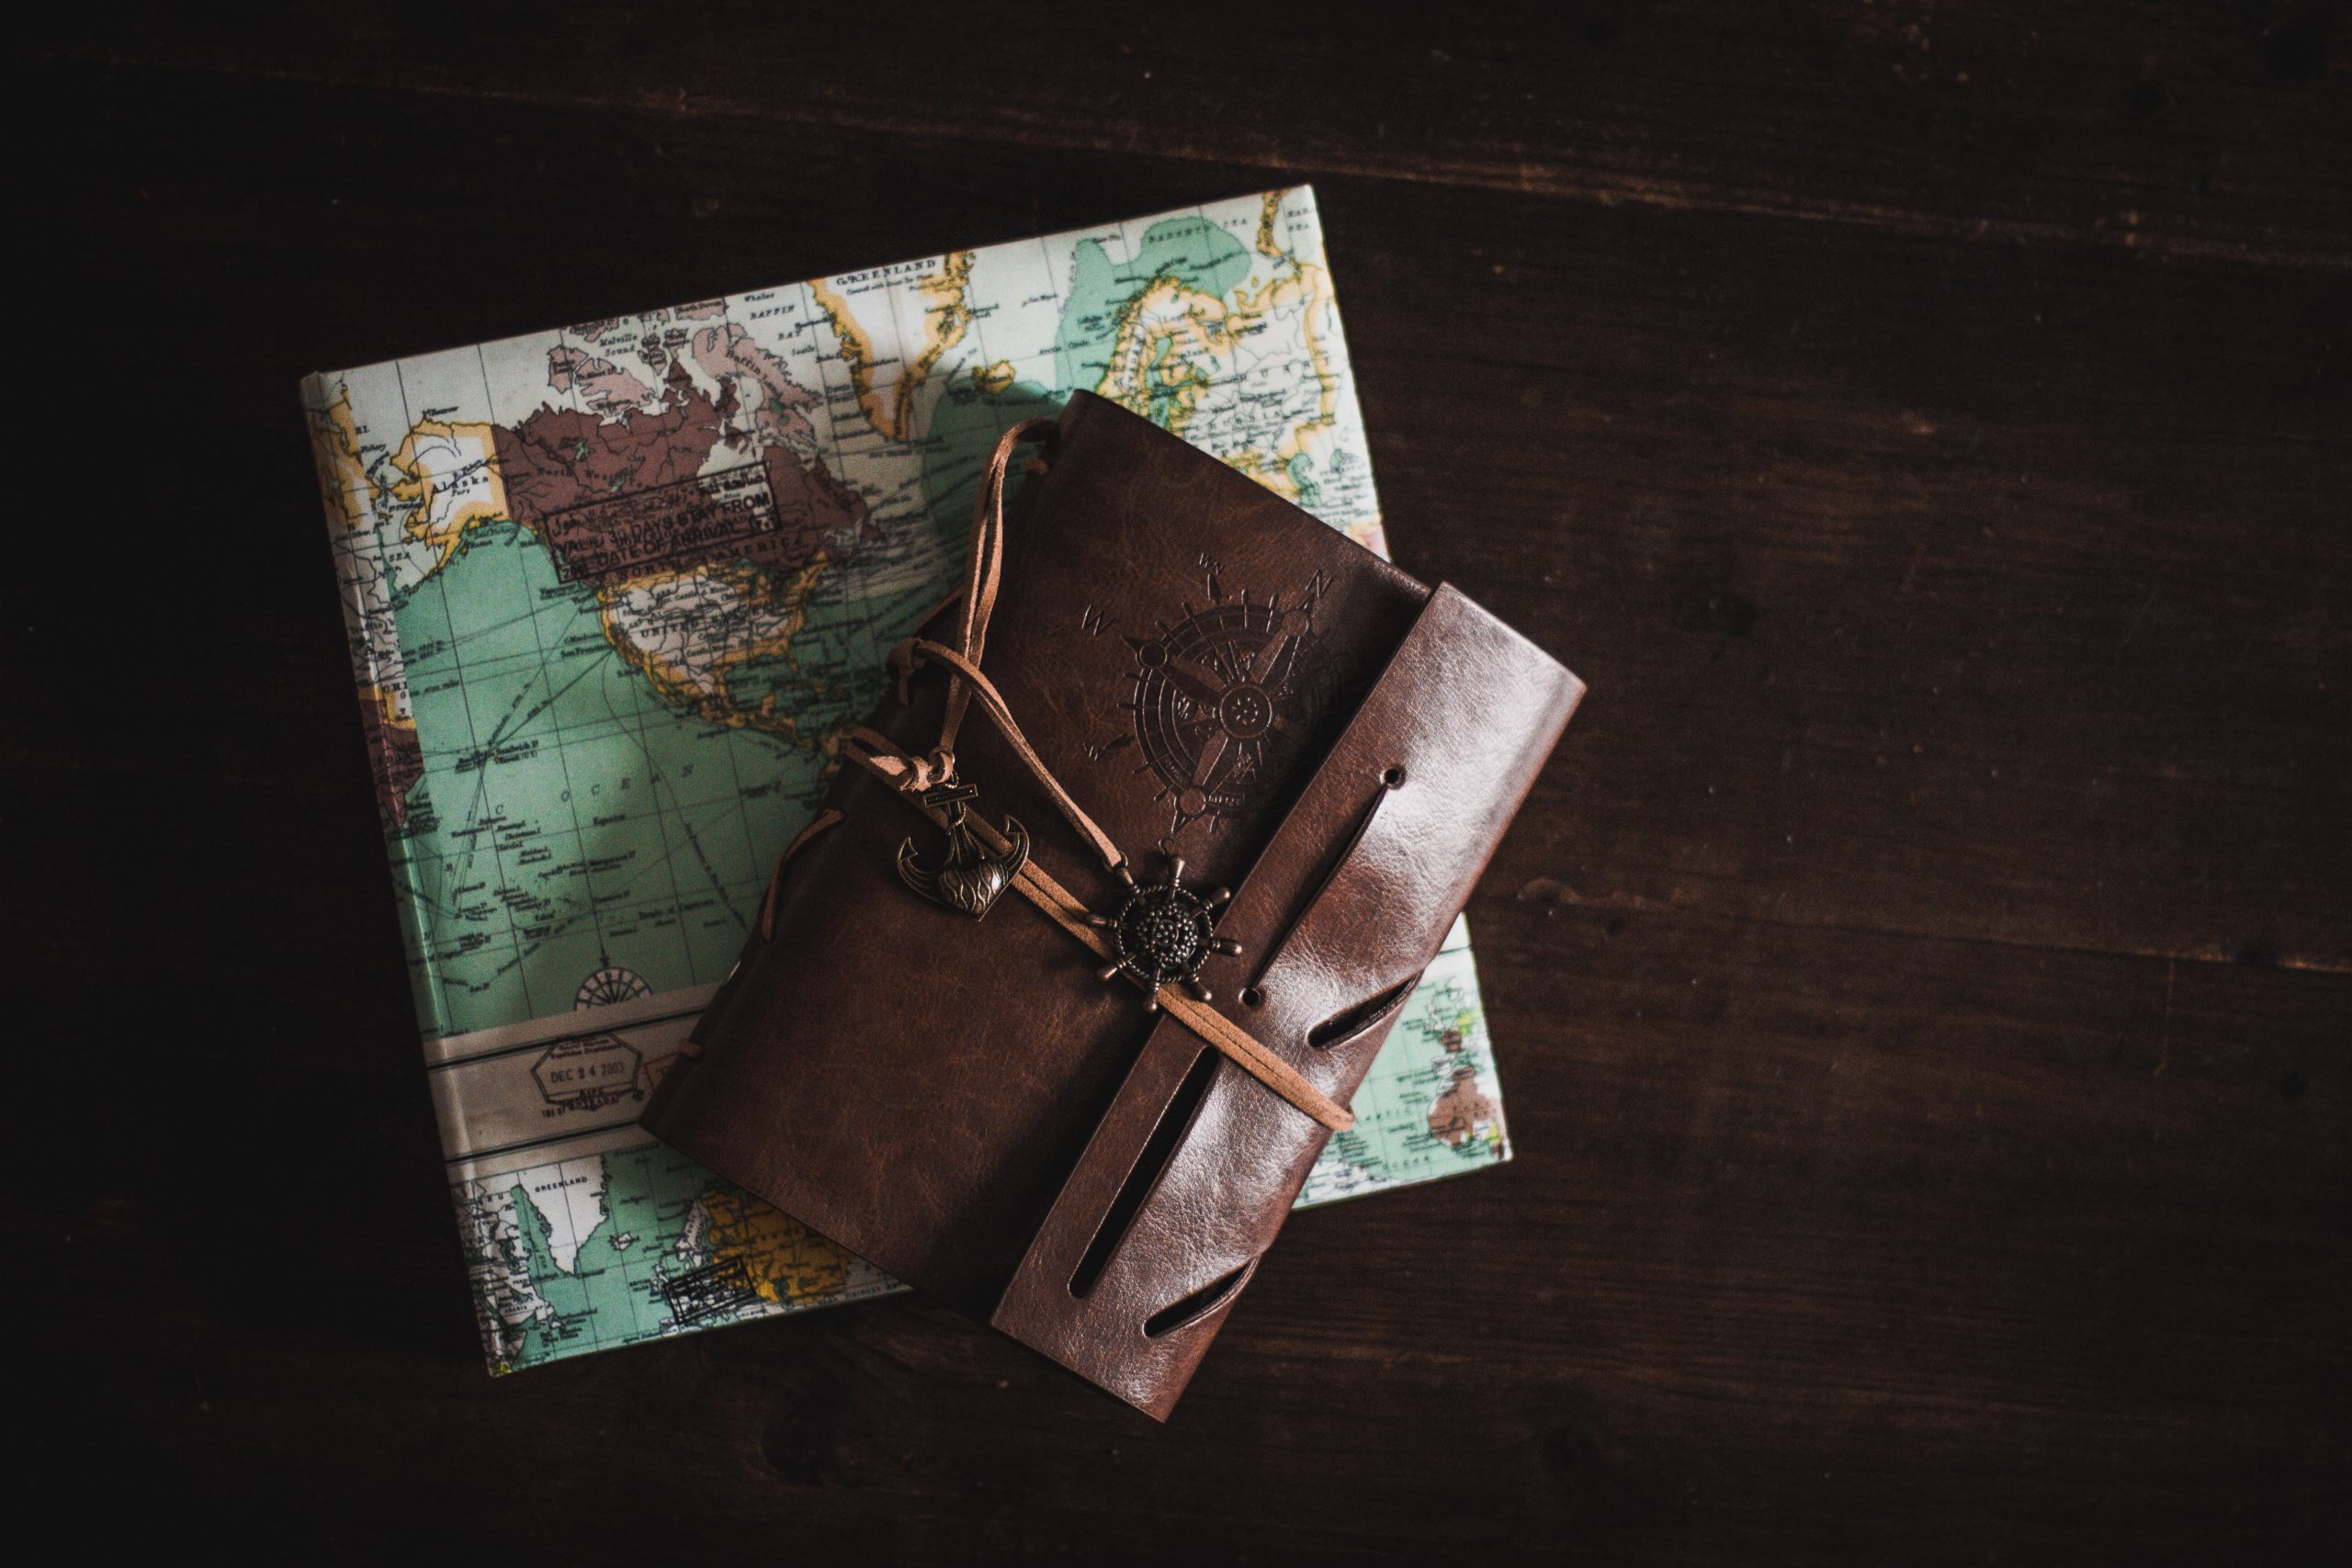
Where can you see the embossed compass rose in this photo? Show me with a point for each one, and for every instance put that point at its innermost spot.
(1223, 700)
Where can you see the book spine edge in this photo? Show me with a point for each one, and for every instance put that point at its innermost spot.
(365, 677)
(424, 987)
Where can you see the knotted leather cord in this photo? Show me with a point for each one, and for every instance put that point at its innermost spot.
(878, 755)
(915, 652)
(911, 776)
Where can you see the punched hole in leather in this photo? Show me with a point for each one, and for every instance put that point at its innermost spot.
(1171, 1203)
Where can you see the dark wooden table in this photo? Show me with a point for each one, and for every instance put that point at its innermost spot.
(1921, 982)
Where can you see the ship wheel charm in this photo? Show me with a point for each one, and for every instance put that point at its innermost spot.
(1163, 933)
(970, 879)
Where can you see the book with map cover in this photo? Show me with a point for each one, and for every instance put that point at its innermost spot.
(613, 592)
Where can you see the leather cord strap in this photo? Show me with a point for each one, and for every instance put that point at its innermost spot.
(986, 568)
(912, 654)
(877, 755)
(985, 572)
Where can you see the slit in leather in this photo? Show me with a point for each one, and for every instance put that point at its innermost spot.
(1349, 1022)
(1157, 1150)
(1188, 1310)
(1390, 780)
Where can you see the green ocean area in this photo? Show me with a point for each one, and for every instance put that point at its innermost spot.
(1190, 251)
(568, 814)
(612, 1295)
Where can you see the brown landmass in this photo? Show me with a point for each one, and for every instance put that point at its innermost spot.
(809, 504)
(560, 459)
(619, 497)
(1455, 1116)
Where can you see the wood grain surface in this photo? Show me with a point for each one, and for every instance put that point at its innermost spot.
(1921, 983)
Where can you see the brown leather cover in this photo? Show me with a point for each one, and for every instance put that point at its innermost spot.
(1207, 669)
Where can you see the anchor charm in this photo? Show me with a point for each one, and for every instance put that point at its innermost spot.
(971, 878)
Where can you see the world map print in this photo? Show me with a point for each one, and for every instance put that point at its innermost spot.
(613, 593)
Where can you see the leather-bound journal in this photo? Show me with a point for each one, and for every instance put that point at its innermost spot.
(1050, 1010)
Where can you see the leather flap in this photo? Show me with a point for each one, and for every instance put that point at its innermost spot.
(1189, 1175)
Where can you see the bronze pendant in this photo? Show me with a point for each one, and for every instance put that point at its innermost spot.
(1163, 933)
(972, 877)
